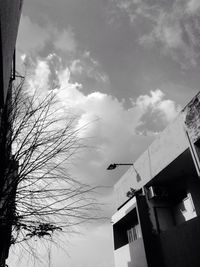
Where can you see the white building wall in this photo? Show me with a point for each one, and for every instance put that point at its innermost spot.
(167, 146)
(131, 255)
(124, 210)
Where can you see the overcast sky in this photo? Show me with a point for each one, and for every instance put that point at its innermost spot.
(125, 67)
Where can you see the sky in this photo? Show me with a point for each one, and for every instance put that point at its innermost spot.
(125, 68)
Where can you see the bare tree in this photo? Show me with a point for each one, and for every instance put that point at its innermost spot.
(38, 191)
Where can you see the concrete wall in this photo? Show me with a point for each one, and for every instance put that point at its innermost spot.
(180, 245)
(10, 11)
(169, 212)
(131, 255)
(194, 189)
(167, 147)
(169, 161)
(124, 210)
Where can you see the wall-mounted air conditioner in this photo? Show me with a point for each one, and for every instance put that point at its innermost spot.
(157, 192)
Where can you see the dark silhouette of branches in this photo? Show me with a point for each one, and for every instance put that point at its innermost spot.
(43, 138)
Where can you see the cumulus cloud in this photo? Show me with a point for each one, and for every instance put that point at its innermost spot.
(82, 66)
(173, 25)
(158, 111)
(112, 132)
(156, 102)
(108, 112)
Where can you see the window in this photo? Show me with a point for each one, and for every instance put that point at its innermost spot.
(188, 209)
(122, 232)
(134, 233)
(184, 209)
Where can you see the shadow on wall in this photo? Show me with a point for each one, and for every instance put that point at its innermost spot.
(137, 254)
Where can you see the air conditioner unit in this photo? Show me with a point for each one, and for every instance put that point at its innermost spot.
(157, 192)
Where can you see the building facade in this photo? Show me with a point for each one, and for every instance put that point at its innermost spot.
(158, 224)
(10, 12)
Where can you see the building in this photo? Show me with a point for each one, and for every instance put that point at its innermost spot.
(159, 223)
(10, 12)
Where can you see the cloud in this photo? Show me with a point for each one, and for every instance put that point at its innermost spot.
(174, 26)
(158, 111)
(65, 41)
(32, 37)
(112, 133)
(34, 42)
(88, 70)
(156, 102)
(111, 128)
(76, 66)
(193, 6)
(169, 32)
(39, 80)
